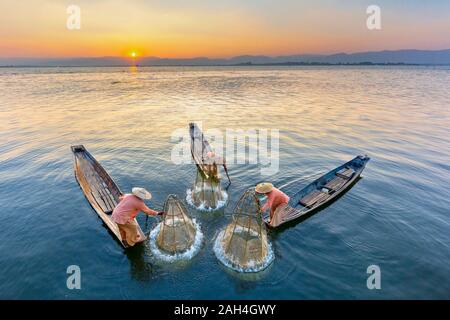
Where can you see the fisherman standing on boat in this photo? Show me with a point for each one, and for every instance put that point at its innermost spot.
(127, 209)
(277, 200)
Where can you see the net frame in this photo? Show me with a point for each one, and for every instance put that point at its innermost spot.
(175, 210)
(246, 217)
(206, 191)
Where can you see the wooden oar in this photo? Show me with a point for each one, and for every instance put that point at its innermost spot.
(226, 171)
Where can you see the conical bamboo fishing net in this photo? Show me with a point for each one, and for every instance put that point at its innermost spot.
(177, 232)
(207, 193)
(244, 241)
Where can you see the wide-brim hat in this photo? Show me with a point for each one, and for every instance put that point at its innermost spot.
(141, 193)
(264, 187)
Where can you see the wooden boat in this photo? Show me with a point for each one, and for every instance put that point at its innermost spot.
(321, 192)
(200, 148)
(99, 188)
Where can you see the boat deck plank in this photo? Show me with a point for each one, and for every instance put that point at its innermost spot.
(345, 173)
(336, 183)
(314, 197)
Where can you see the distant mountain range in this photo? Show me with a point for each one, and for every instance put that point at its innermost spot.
(417, 57)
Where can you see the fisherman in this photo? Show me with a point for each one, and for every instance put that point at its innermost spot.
(210, 161)
(277, 200)
(127, 209)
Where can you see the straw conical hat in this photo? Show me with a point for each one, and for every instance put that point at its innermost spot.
(141, 193)
(264, 187)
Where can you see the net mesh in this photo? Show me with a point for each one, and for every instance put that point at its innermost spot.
(207, 192)
(177, 232)
(244, 240)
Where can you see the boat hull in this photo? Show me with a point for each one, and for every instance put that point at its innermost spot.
(333, 183)
(99, 189)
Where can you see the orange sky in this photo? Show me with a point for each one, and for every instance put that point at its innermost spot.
(173, 28)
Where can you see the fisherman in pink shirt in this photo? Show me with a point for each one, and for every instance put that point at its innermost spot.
(276, 199)
(127, 209)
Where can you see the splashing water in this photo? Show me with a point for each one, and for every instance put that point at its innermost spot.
(202, 206)
(186, 255)
(252, 266)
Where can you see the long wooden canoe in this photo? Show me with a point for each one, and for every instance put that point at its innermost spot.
(98, 187)
(322, 191)
(200, 148)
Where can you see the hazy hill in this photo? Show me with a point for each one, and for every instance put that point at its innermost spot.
(429, 57)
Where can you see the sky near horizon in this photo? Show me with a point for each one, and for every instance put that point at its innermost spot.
(218, 29)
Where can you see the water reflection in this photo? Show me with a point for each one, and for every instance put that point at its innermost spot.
(141, 269)
(133, 69)
(246, 282)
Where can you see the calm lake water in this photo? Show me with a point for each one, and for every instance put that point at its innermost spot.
(396, 217)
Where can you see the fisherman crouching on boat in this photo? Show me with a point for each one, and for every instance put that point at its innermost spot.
(277, 200)
(127, 209)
